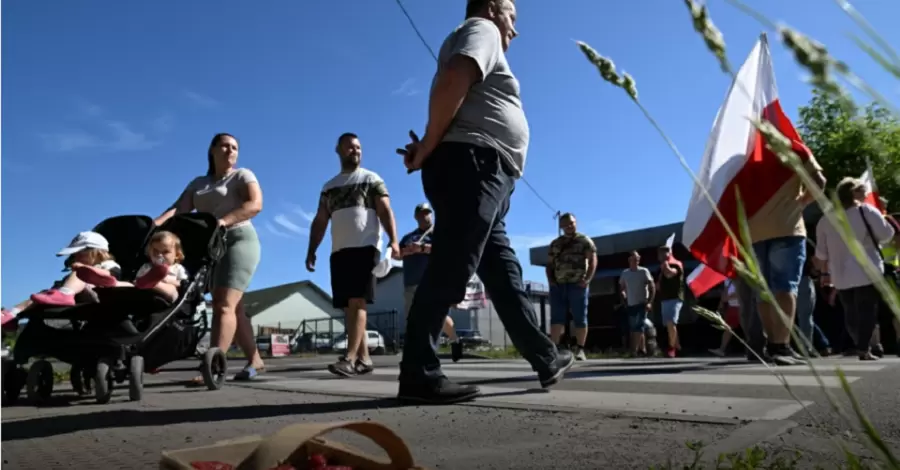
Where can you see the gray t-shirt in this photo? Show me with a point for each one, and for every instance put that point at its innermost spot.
(219, 197)
(491, 114)
(636, 283)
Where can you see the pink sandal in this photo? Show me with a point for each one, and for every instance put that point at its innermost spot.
(53, 297)
(151, 278)
(95, 277)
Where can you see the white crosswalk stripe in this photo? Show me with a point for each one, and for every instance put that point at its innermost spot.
(683, 388)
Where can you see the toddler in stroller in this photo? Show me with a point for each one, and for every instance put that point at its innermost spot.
(86, 249)
(163, 276)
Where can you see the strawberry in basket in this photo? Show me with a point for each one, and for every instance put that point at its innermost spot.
(212, 466)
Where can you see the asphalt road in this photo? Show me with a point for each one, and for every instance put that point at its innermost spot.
(606, 414)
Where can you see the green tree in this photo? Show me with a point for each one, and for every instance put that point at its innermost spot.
(841, 141)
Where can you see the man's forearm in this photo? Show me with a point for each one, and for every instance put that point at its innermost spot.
(386, 217)
(447, 96)
(592, 269)
(652, 293)
(316, 234)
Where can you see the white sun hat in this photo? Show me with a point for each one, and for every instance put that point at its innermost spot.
(83, 241)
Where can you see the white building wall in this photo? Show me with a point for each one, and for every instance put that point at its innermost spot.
(297, 307)
(389, 296)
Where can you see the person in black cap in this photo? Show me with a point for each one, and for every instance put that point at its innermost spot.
(415, 247)
(471, 155)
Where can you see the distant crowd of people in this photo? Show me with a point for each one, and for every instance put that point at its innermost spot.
(797, 275)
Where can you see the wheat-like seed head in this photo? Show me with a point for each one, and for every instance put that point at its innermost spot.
(608, 72)
(713, 38)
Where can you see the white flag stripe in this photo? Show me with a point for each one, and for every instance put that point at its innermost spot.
(668, 404)
(670, 242)
(728, 144)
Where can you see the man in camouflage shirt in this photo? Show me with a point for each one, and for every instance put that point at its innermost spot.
(570, 269)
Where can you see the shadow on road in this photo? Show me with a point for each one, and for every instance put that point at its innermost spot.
(56, 425)
(586, 372)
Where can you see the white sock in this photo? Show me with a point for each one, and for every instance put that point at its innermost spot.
(65, 290)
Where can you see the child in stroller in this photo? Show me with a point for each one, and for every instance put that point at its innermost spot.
(163, 275)
(86, 249)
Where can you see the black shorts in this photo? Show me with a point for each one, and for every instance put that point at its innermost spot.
(351, 275)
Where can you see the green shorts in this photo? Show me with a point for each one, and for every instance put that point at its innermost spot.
(235, 270)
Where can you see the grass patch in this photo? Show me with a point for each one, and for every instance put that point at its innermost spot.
(753, 458)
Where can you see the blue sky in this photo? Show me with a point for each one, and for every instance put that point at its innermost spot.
(108, 107)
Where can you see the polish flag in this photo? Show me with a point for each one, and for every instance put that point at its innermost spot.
(872, 197)
(736, 157)
(702, 279)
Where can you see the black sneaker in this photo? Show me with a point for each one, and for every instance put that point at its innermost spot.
(343, 368)
(765, 357)
(363, 368)
(456, 351)
(564, 361)
(797, 356)
(782, 355)
(877, 350)
(439, 392)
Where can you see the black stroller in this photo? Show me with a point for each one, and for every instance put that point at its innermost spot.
(129, 331)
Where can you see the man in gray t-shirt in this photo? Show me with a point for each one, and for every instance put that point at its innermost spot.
(637, 290)
(473, 151)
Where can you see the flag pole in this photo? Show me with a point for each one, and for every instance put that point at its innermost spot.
(764, 38)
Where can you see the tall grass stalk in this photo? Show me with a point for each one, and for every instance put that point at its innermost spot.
(815, 58)
(750, 269)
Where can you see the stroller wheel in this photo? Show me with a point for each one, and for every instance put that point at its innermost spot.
(14, 378)
(103, 382)
(136, 378)
(213, 368)
(39, 381)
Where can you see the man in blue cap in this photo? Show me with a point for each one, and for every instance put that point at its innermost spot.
(415, 247)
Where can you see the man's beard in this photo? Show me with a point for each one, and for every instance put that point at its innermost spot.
(350, 161)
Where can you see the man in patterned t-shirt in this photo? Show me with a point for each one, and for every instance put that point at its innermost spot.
(356, 201)
(570, 268)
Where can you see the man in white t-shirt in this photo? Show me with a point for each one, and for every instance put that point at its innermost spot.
(840, 268)
(356, 202)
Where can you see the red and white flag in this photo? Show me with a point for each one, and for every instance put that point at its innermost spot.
(736, 157)
(872, 196)
(703, 279)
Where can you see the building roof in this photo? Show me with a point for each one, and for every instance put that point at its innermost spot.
(259, 300)
(620, 242)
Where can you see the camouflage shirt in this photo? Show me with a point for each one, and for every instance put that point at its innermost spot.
(569, 257)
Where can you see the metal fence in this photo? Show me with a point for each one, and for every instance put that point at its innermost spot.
(318, 334)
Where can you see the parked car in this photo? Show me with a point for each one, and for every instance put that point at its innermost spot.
(311, 342)
(471, 339)
(375, 343)
(264, 343)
